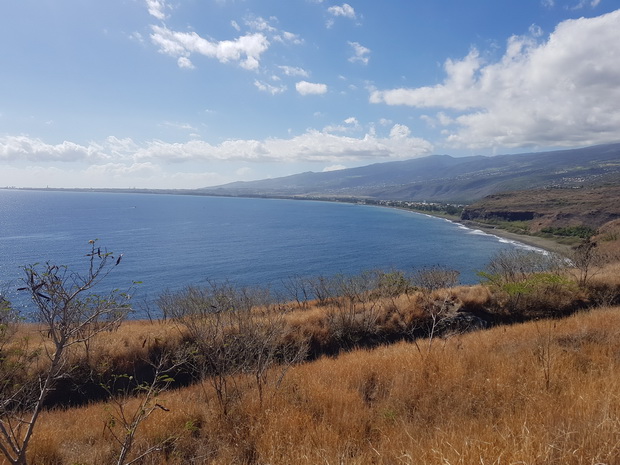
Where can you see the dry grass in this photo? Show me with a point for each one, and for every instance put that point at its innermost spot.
(544, 392)
(339, 325)
(130, 342)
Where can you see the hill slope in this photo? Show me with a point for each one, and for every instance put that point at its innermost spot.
(445, 178)
(549, 208)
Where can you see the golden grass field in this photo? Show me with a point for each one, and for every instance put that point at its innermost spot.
(543, 392)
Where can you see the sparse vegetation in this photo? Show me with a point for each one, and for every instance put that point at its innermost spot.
(542, 392)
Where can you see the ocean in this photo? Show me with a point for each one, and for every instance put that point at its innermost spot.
(171, 241)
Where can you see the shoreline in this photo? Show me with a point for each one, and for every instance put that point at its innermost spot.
(542, 243)
(548, 245)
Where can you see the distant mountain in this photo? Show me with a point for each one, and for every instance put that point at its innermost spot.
(445, 178)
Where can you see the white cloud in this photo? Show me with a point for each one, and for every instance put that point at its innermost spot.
(26, 149)
(264, 26)
(146, 175)
(577, 6)
(586, 3)
(456, 92)
(444, 119)
(440, 119)
(360, 53)
(273, 90)
(157, 8)
(185, 62)
(182, 126)
(120, 146)
(260, 24)
(116, 170)
(334, 168)
(535, 30)
(245, 50)
(137, 37)
(350, 124)
(289, 37)
(400, 131)
(293, 71)
(312, 146)
(563, 91)
(121, 162)
(310, 88)
(243, 172)
(345, 10)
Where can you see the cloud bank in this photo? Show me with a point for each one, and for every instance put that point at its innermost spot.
(118, 162)
(563, 91)
(311, 146)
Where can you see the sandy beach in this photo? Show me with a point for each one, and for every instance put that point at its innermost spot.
(540, 242)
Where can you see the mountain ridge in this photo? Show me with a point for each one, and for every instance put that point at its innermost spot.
(443, 177)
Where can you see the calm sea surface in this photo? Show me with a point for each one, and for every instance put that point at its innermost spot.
(171, 241)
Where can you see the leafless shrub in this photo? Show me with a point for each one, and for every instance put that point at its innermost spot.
(586, 258)
(322, 288)
(434, 278)
(298, 289)
(435, 298)
(125, 417)
(70, 314)
(232, 331)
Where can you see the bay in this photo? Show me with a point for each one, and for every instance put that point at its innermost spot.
(171, 241)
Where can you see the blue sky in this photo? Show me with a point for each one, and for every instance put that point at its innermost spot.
(195, 93)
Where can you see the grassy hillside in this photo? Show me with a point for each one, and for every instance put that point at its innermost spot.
(391, 374)
(544, 392)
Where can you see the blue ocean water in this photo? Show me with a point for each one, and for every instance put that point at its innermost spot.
(171, 241)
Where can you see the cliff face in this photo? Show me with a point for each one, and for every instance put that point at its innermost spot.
(556, 208)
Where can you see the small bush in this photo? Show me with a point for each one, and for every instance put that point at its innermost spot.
(434, 278)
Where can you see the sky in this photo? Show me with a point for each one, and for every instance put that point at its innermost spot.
(196, 93)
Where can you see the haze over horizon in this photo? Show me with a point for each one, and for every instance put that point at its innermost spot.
(185, 94)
